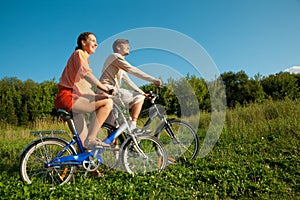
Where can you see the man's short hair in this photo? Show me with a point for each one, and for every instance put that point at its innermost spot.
(118, 42)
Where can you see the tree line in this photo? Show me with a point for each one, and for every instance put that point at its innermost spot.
(24, 102)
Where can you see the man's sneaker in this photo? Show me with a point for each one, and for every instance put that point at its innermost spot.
(94, 144)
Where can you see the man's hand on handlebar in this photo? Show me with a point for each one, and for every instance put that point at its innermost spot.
(157, 82)
(148, 96)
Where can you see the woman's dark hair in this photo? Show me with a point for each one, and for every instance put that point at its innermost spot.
(83, 36)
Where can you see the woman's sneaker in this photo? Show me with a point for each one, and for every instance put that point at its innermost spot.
(94, 144)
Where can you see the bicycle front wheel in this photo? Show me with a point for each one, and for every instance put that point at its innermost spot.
(180, 140)
(34, 157)
(145, 155)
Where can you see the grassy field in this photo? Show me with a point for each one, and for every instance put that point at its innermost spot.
(256, 156)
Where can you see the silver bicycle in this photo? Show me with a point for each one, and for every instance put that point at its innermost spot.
(178, 137)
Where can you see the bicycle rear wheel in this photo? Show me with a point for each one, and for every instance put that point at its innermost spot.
(147, 155)
(180, 140)
(41, 151)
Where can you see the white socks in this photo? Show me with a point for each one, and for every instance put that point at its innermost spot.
(132, 125)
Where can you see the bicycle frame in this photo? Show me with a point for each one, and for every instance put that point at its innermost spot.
(153, 112)
(124, 125)
(78, 159)
(165, 122)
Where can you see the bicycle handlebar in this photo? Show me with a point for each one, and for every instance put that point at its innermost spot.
(154, 96)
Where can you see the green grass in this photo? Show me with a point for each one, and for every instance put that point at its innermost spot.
(256, 156)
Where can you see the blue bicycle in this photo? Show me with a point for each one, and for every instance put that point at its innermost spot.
(54, 160)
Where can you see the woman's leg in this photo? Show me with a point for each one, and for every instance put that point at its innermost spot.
(81, 126)
(103, 107)
(85, 104)
(100, 117)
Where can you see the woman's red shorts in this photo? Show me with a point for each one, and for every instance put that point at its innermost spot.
(65, 99)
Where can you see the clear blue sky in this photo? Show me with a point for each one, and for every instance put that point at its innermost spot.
(257, 36)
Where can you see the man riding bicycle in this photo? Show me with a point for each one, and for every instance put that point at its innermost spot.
(116, 68)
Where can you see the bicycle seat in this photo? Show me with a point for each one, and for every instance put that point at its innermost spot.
(64, 114)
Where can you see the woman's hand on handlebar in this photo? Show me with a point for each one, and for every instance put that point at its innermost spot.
(108, 92)
(111, 90)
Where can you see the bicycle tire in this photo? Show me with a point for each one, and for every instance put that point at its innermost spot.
(36, 154)
(134, 163)
(187, 145)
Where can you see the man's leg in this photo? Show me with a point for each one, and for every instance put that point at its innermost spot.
(136, 110)
(135, 101)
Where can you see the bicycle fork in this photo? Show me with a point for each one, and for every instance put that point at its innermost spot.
(136, 146)
(166, 124)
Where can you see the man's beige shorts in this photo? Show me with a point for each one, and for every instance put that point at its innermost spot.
(129, 97)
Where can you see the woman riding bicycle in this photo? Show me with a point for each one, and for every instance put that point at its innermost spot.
(75, 94)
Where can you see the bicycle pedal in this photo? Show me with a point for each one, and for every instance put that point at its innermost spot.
(171, 160)
(96, 173)
(141, 131)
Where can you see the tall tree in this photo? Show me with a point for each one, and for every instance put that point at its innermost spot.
(282, 85)
(241, 90)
